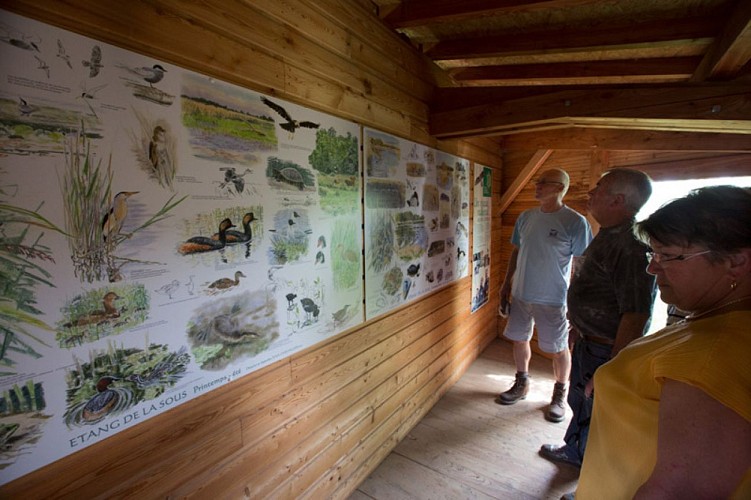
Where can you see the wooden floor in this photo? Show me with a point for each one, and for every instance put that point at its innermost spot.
(467, 446)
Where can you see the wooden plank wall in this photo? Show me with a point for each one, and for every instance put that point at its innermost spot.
(315, 424)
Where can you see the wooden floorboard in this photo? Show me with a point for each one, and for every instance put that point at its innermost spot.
(468, 447)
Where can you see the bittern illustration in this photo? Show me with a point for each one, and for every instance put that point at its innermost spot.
(113, 220)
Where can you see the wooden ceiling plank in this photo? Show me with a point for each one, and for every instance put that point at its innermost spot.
(521, 180)
(688, 31)
(667, 68)
(423, 12)
(627, 140)
(676, 103)
(731, 50)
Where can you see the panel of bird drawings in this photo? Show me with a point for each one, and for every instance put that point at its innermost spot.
(481, 226)
(416, 220)
(161, 234)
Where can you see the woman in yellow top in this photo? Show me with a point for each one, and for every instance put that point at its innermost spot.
(672, 417)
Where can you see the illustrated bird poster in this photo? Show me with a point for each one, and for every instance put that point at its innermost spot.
(416, 220)
(481, 225)
(162, 233)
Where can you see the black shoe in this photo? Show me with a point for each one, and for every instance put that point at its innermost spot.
(558, 454)
(518, 391)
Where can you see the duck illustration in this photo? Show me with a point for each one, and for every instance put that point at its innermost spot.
(198, 244)
(227, 329)
(320, 258)
(113, 220)
(167, 371)
(226, 283)
(102, 403)
(237, 236)
(108, 312)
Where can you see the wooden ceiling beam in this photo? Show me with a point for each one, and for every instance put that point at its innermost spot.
(731, 50)
(657, 70)
(421, 12)
(706, 103)
(629, 140)
(691, 31)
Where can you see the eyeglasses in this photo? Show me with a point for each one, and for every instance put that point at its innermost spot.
(547, 182)
(661, 258)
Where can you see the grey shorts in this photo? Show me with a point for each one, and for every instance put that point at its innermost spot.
(551, 323)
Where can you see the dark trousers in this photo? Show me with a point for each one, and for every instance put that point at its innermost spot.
(585, 359)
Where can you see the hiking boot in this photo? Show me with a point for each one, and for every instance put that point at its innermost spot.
(518, 391)
(557, 411)
(558, 454)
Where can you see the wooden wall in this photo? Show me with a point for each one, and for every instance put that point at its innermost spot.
(317, 423)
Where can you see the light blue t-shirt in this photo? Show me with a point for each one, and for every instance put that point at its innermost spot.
(546, 243)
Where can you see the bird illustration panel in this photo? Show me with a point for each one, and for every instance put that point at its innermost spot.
(416, 219)
(162, 233)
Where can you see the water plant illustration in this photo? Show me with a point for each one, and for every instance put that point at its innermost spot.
(21, 420)
(21, 254)
(95, 217)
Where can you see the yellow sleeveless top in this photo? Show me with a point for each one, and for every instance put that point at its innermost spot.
(712, 354)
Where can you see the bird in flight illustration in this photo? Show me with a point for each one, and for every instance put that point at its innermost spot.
(62, 54)
(290, 125)
(95, 61)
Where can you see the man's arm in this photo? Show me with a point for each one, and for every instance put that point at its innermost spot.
(630, 328)
(506, 287)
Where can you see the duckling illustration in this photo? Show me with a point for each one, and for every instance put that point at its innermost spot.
(108, 312)
(198, 244)
(290, 300)
(310, 308)
(321, 242)
(227, 283)
(169, 289)
(237, 236)
(320, 258)
(413, 270)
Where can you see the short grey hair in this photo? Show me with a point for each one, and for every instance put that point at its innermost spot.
(634, 185)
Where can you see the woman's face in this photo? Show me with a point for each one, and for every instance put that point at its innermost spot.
(687, 278)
